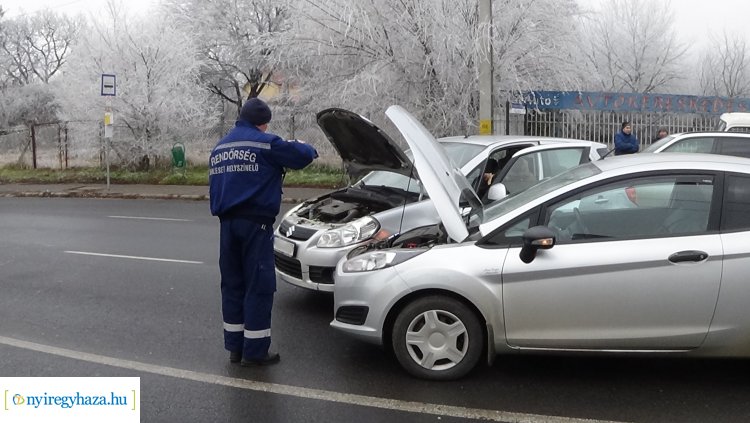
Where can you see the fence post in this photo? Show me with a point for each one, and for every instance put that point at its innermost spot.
(33, 146)
(507, 117)
(59, 146)
(65, 146)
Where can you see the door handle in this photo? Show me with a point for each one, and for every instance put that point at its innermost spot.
(689, 255)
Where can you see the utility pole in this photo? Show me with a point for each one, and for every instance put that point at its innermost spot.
(485, 68)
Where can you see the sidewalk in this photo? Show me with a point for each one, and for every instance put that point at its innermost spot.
(161, 192)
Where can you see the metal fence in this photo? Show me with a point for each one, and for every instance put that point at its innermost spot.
(602, 126)
(81, 144)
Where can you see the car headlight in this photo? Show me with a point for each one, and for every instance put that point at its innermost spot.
(351, 233)
(376, 260)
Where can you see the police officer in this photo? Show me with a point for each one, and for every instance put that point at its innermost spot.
(245, 176)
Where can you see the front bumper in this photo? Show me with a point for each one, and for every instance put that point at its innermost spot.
(301, 263)
(362, 302)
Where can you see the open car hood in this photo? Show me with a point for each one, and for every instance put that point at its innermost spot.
(446, 185)
(363, 147)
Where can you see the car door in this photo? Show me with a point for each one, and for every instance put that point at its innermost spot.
(534, 164)
(480, 176)
(734, 146)
(636, 266)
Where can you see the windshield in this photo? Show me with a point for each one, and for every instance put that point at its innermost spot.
(393, 180)
(459, 152)
(508, 204)
(653, 148)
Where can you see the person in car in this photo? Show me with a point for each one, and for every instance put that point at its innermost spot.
(625, 141)
(245, 176)
(661, 133)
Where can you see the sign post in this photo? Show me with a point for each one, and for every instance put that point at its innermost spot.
(109, 89)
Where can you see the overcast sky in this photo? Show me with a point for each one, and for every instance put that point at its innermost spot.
(16, 7)
(696, 19)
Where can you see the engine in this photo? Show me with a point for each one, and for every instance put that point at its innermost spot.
(354, 202)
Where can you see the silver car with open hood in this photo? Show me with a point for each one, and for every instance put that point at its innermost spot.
(639, 254)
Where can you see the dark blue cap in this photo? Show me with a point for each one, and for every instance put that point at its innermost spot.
(256, 111)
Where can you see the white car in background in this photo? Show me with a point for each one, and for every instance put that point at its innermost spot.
(727, 143)
(734, 122)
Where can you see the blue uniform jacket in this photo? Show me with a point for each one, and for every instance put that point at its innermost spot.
(626, 143)
(245, 172)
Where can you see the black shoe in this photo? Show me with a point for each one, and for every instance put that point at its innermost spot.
(235, 356)
(270, 358)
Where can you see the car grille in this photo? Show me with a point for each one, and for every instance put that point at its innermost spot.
(353, 315)
(323, 275)
(299, 232)
(288, 265)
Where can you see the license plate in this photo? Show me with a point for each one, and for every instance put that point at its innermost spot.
(283, 246)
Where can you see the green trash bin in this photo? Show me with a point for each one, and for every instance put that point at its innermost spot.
(178, 157)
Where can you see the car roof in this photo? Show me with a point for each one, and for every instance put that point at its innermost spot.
(487, 140)
(675, 161)
(710, 134)
(736, 118)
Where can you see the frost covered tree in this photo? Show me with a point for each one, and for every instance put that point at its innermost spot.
(33, 51)
(725, 67)
(632, 45)
(160, 99)
(236, 40)
(35, 48)
(424, 55)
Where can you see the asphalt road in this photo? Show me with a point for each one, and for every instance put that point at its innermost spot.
(92, 287)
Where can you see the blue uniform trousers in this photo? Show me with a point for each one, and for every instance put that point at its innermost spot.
(248, 283)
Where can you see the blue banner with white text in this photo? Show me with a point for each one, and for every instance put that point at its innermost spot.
(618, 102)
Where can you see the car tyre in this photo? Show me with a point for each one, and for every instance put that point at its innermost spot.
(437, 338)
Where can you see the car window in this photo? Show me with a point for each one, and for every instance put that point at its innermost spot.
(634, 208)
(522, 174)
(659, 144)
(559, 160)
(734, 147)
(526, 171)
(495, 163)
(692, 145)
(509, 204)
(736, 215)
(740, 129)
(511, 234)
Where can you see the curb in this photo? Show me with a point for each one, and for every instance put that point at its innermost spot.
(126, 196)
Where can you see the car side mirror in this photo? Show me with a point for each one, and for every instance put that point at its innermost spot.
(497, 192)
(534, 239)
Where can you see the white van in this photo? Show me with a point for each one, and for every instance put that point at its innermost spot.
(734, 122)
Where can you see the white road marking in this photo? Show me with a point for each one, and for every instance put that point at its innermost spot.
(169, 219)
(84, 253)
(296, 391)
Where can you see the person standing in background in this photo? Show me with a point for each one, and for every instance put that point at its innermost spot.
(625, 141)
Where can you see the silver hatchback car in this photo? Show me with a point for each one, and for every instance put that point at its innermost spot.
(315, 235)
(641, 254)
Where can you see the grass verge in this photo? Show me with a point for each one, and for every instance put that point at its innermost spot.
(312, 176)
